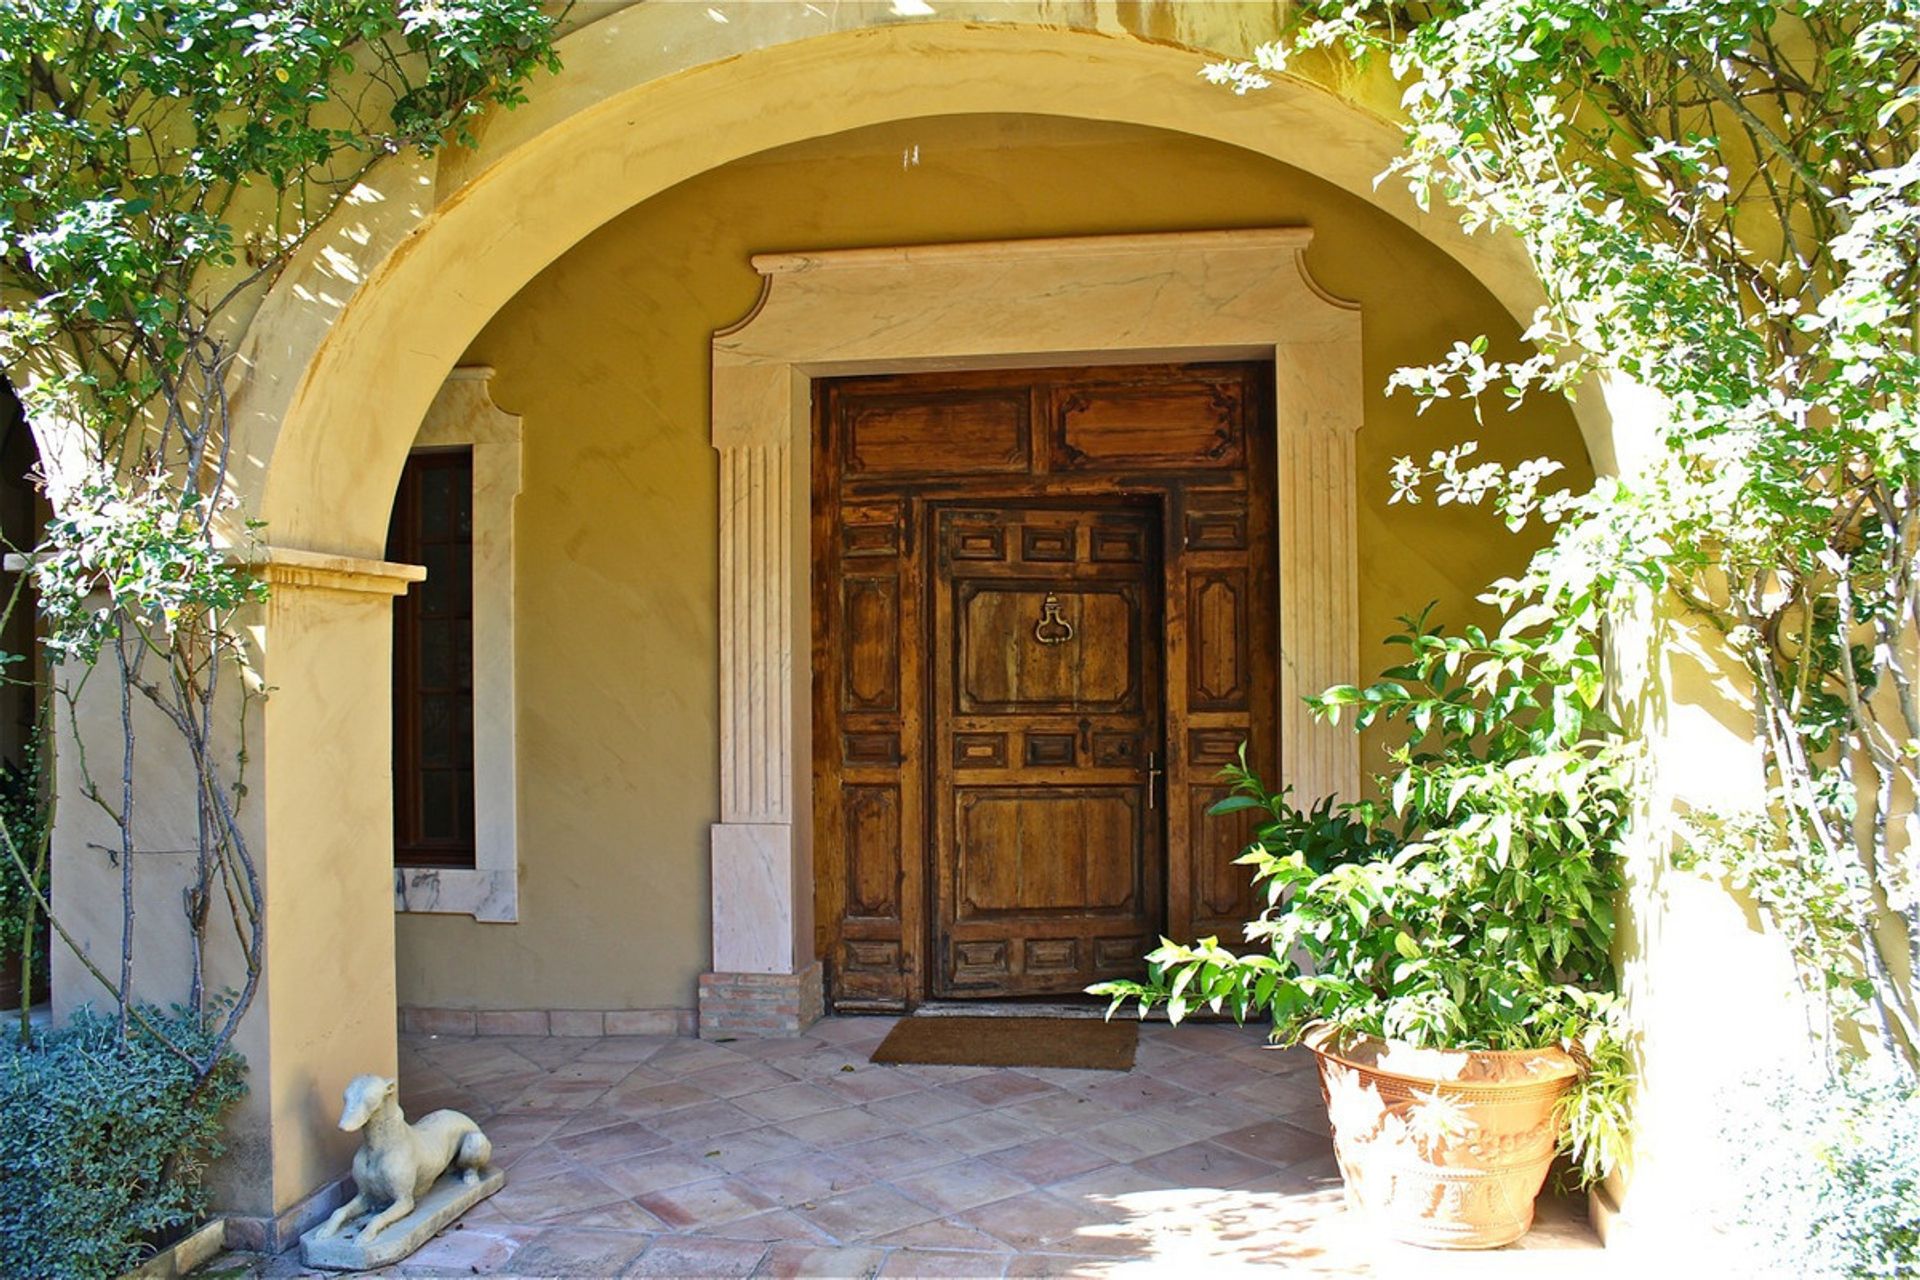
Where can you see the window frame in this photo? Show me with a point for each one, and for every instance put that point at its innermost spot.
(463, 415)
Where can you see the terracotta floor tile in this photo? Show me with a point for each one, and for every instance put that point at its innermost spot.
(527, 1129)
(771, 1048)
(1276, 1142)
(954, 1187)
(533, 1161)
(1068, 1077)
(790, 1100)
(974, 1134)
(700, 1204)
(658, 1171)
(1278, 1094)
(1137, 1091)
(1214, 1037)
(857, 1027)
(690, 1057)
(801, 1179)
(546, 1199)
(1212, 1075)
(1203, 1164)
(1048, 1160)
(931, 1263)
(865, 1213)
(1060, 1112)
(1026, 1266)
(924, 1107)
(819, 1064)
(614, 1142)
(699, 1256)
(1206, 1116)
(1000, 1088)
(1131, 1137)
(1040, 1222)
(468, 1251)
(942, 1235)
(624, 1048)
(738, 1077)
(750, 1148)
(545, 1051)
(573, 1251)
(775, 1226)
(490, 1095)
(791, 1261)
(841, 1128)
(1109, 1190)
(621, 1215)
(650, 1099)
(897, 1155)
(699, 1123)
(603, 1071)
(870, 1084)
(1274, 1060)
(941, 1073)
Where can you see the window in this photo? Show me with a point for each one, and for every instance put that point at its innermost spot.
(473, 790)
(433, 740)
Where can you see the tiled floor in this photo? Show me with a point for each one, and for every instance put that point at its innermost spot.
(662, 1157)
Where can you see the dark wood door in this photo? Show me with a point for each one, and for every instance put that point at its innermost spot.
(972, 836)
(1049, 843)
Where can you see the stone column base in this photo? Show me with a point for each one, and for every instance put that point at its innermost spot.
(760, 1004)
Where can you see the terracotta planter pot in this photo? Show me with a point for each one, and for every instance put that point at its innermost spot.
(1442, 1148)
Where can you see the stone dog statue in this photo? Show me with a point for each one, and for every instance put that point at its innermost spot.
(398, 1162)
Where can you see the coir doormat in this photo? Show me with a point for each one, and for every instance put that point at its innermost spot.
(1084, 1043)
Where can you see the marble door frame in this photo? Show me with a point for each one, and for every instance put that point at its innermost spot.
(1173, 297)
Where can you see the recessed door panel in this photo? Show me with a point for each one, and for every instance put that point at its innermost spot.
(1003, 668)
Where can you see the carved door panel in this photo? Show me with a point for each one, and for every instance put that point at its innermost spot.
(982, 823)
(1046, 742)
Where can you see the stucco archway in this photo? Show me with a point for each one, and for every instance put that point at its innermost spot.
(348, 351)
(350, 348)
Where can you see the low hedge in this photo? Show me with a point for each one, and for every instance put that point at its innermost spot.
(103, 1145)
(1829, 1177)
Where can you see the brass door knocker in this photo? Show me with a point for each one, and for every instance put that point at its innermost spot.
(1052, 628)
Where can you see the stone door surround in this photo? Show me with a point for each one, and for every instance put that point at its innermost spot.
(1172, 297)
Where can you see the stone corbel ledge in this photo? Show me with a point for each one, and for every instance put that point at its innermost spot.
(1213, 295)
(312, 570)
(323, 571)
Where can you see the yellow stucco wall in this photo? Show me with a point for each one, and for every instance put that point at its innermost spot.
(605, 357)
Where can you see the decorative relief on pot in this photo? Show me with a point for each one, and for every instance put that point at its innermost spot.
(1452, 1160)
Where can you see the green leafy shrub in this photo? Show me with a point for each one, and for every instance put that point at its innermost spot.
(1324, 836)
(1829, 1175)
(1473, 909)
(103, 1143)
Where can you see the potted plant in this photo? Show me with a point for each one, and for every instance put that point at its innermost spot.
(1444, 951)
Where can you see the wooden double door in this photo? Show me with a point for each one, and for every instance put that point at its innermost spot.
(1043, 618)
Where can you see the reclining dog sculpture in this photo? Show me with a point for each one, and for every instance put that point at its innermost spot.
(399, 1162)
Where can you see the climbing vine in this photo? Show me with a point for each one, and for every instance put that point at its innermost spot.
(1722, 203)
(161, 163)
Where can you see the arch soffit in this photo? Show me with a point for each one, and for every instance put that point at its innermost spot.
(354, 341)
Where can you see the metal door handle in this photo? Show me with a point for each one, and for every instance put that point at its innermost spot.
(1052, 628)
(1154, 774)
